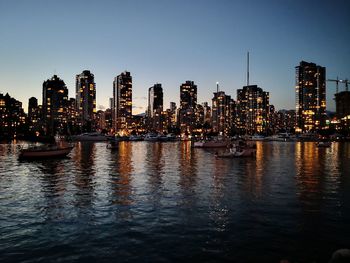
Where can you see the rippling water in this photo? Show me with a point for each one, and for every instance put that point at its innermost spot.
(168, 202)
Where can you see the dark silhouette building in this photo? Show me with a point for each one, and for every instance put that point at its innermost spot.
(13, 120)
(55, 102)
(34, 115)
(310, 97)
(86, 99)
(155, 107)
(342, 103)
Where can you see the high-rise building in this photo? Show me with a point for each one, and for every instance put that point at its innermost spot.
(173, 106)
(55, 99)
(252, 110)
(310, 97)
(33, 114)
(155, 107)
(122, 102)
(73, 119)
(86, 99)
(155, 99)
(342, 104)
(188, 95)
(188, 102)
(12, 117)
(223, 113)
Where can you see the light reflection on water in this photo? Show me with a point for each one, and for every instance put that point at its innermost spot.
(170, 202)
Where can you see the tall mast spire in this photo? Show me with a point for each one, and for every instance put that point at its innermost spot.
(248, 69)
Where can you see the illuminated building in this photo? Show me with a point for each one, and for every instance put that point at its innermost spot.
(73, 119)
(12, 117)
(283, 121)
(34, 113)
(122, 102)
(188, 102)
(252, 110)
(223, 112)
(207, 113)
(85, 88)
(55, 101)
(342, 101)
(310, 97)
(155, 107)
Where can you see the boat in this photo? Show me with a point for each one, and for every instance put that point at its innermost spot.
(135, 138)
(257, 137)
(151, 137)
(246, 152)
(91, 137)
(210, 144)
(171, 137)
(238, 150)
(324, 144)
(45, 151)
(280, 137)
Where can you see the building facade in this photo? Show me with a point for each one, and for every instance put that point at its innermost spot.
(55, 102)
(187, 110)
(122, 102)
(155, 108)
(34, 115)
(13, 120)
(252, 110)
(223, 113)
(310, 97)
(342, 103)
(85, 87)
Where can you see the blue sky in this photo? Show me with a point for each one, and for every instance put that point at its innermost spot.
(170, 42)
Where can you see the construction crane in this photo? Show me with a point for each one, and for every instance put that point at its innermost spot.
(337, 81)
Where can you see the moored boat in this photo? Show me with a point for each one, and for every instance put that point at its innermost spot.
(324, 144)
(210, 144)
(91, 137)
(45, 151)
(246, 152)
(241, 149)
(135, 138)
(151, 137)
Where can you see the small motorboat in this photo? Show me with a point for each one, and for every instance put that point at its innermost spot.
(246, 152)
(89, 137)
(324, 144)
(210, 144)
(45, 151)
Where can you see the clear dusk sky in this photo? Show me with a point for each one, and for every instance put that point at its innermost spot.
(170, 42)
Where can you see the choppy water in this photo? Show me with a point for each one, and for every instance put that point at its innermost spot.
(168, 202)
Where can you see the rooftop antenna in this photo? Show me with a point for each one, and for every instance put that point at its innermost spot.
(217, 87)
(248, 68)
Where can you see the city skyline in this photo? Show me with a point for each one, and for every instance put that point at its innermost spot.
(170, 43)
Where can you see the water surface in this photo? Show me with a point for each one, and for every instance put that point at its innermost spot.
(168, 202)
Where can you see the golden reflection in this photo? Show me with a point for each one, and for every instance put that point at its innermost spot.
(310, 181)
(154, 165)
(188, 168)
(122, 175)
(253, 171)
